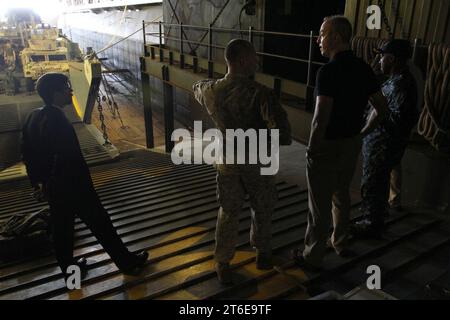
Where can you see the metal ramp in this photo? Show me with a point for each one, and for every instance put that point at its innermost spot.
(94, 152)
(171, 212)
(91, 141)
(13, 114)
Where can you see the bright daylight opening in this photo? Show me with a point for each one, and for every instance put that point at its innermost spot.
(47, 9)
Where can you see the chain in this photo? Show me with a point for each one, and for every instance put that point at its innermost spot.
(106, 99)
(102, 120)
(112, 102)
(381, 4)
(116, 109)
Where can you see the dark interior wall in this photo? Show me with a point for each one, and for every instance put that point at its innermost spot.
(427, 20)
(224, 14)
(270, 15)
(426, 178)
(295, 16)
(300, 16)
(220, 13)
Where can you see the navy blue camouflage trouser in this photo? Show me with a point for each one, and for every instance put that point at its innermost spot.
(381, 153)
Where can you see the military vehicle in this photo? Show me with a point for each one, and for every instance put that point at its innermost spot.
(7, 32)
(47, 51)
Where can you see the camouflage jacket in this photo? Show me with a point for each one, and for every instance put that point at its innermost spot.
(401, 93)
(237, 102)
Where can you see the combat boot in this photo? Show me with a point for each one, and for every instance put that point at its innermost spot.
(366, 229)
(223, 271)
(263, 260)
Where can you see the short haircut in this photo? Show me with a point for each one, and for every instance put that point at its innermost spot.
(50, 83)
(342, 26)
(237, 49)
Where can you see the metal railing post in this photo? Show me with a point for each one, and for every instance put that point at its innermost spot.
(152, 53)
(147, 102)
(160, 33)
(311, 37)
(168, 109)
(416, 45)
(181, 47)
(161, 52)
(210, 53)
(195, 64)
(210, 48)
(250, 34)
(144, 39)
(277, 86)
(181, 39)
(309, 88)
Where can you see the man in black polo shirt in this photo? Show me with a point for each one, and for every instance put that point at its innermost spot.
(344, 87)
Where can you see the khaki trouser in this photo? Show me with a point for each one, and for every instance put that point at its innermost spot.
(396, 186)
(231, 192)
(329, 174)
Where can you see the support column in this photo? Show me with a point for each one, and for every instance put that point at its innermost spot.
(169, 124)
(147, 101)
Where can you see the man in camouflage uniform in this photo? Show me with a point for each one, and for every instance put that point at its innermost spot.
(238, 102)
(384, 148)
(9, 56)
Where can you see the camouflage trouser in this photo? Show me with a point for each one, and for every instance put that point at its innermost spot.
(231, 192)
(382, 153)
(10, 83)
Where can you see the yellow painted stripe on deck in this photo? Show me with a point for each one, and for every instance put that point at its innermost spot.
(77, 107)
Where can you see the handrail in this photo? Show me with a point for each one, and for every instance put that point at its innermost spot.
(299, 35)
(258, 53)
(193, 42)
(250, 33)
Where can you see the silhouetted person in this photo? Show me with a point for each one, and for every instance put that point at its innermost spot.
(59, 174)
(238, 102)
(9, 57)
(344, 87)
(383, 149)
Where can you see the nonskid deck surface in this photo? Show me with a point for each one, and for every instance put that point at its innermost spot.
(171, 211)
